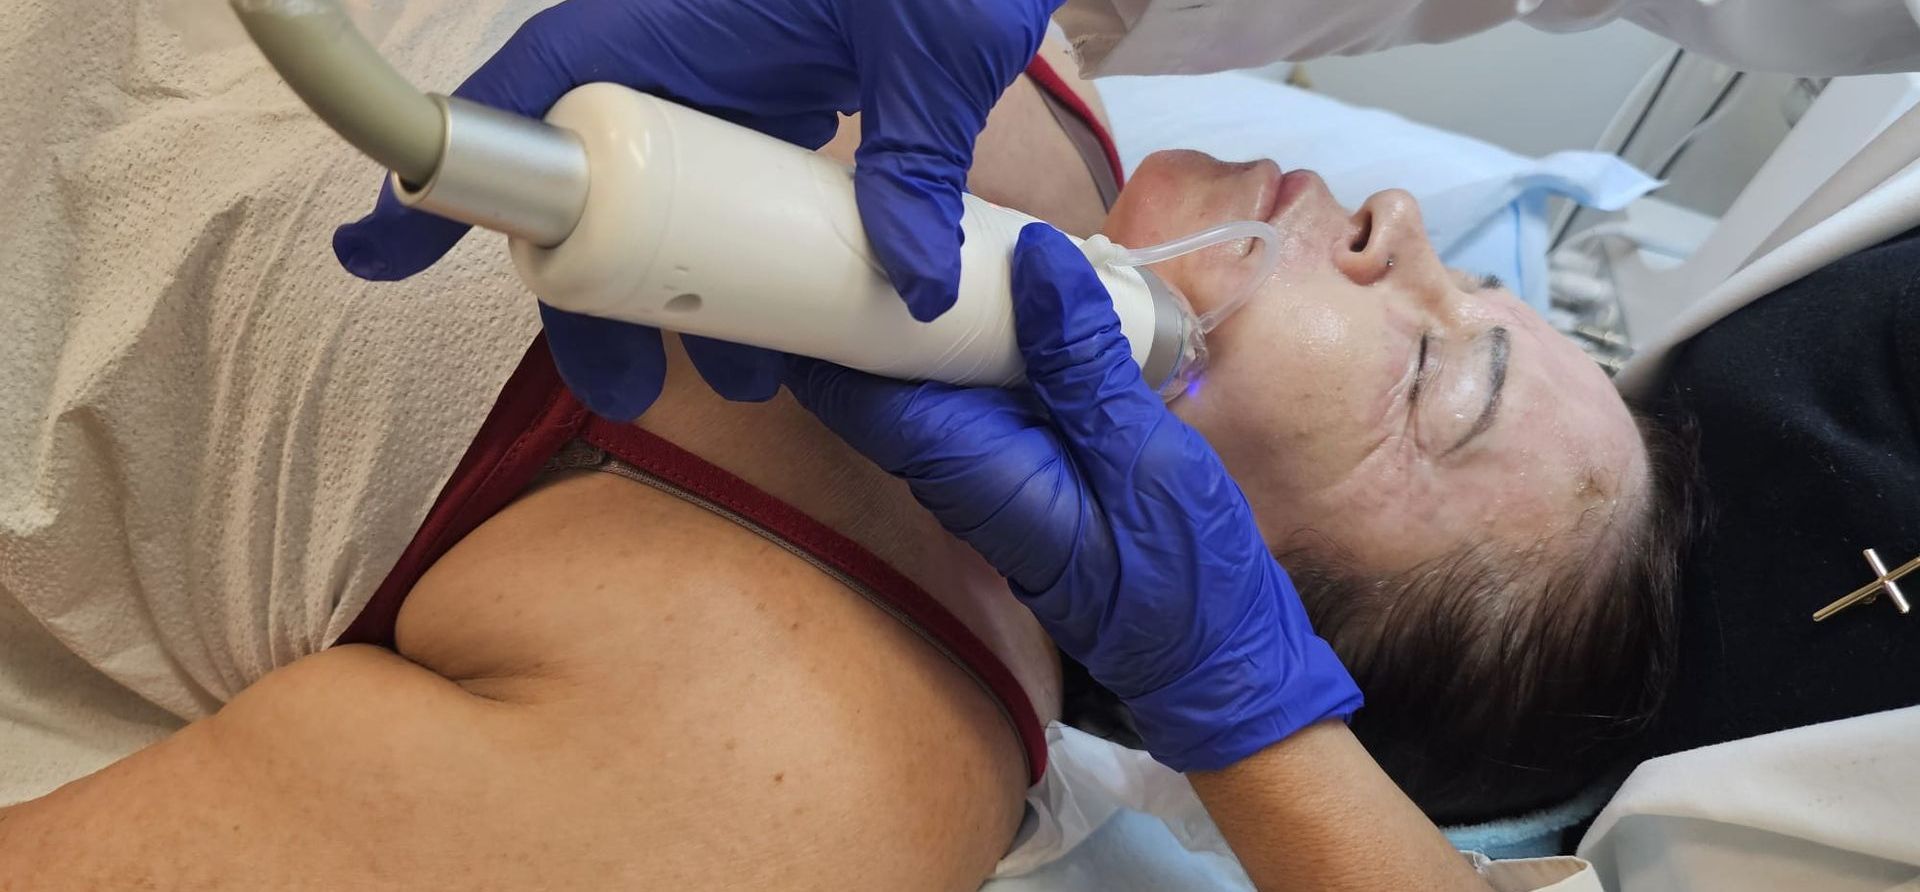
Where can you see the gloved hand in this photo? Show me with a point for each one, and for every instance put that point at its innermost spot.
(1111, 519)
(922, 72)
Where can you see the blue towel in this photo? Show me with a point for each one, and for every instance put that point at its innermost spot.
(1532, 835)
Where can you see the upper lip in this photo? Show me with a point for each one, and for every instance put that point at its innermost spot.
(1267, 207)
(1270, 194)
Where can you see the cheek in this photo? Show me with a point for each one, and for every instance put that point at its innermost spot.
(1279, 401)
(1160, 203)
(1266, 359)
(1319, 332)
(1315, 367)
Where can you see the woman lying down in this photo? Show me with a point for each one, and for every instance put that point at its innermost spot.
(412, 618)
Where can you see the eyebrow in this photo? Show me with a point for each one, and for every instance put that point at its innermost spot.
(1497, 349)
(1476, 283)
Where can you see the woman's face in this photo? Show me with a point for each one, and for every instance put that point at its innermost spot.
(1368, 398)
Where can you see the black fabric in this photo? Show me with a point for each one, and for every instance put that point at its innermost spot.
(1808, 408)
(1088, 706)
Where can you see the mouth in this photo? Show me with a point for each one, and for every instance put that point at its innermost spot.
(1279, 191)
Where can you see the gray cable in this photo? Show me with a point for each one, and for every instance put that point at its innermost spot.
(322, 56)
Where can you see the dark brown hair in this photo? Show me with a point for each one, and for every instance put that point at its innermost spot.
(1499, 681)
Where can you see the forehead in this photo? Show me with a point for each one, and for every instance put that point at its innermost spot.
(1568, 433)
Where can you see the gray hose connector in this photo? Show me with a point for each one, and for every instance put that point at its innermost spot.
(1171, 332)
(456, 159)
(333, 69)
(505, 172)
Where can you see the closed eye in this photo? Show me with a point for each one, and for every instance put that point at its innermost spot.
(1419, 368)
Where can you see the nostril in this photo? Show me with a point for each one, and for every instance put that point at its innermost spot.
(1366, 232)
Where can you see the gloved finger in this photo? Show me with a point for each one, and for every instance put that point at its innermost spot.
(1079, 363)
(923, 100)
(928, 433)
(866, 411)
(615, 368)
(736, 371)
(394, 241)
(983, 460)
(910, 206)
(555, 50)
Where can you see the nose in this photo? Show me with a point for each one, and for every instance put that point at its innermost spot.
(1388, 239)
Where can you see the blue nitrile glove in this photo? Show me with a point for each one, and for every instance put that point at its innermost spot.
(1111, 519)
(922, 72)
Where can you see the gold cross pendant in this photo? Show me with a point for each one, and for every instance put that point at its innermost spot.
(1867, 593)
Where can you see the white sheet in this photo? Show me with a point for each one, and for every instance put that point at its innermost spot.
(213, 442)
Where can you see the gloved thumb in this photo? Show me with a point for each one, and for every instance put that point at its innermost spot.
(867, 411)
(1079, 362)
(394, 241)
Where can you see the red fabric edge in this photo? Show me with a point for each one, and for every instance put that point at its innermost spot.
(531, 419)
(1051, 81)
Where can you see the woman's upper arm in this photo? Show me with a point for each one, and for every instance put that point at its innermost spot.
(333, 771)
(702, 709)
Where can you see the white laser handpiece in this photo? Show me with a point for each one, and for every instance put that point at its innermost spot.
(700, 226)
(626, 206)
